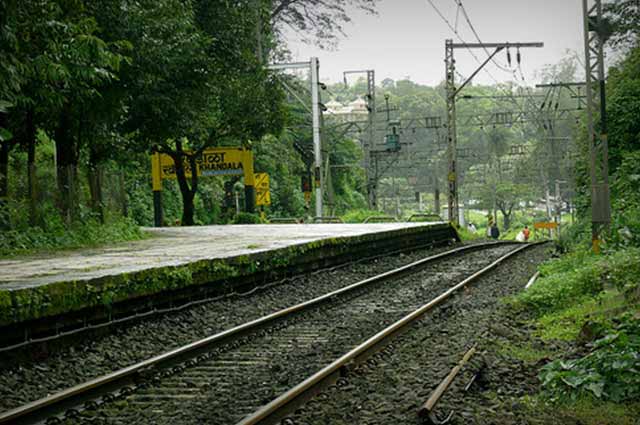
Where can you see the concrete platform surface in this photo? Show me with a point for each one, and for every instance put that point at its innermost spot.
(172, 246)
(39, 286)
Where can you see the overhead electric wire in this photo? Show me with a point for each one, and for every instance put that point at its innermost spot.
(455, 31)
(475, 33)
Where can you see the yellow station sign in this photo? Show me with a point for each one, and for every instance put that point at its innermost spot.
(545, 225)
(213, 162)
(263, 195)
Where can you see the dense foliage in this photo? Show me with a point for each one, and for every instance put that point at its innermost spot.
(88, 89)
(608, 372)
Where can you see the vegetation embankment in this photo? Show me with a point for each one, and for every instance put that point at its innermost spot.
(586, 307)
(585, 310)
(55, 236)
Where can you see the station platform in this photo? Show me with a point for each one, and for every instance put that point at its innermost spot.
(202, 259)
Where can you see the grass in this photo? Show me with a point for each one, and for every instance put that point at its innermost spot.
(359, 216)
(56, 237)
(526, 353)
(584, 411)
(595, 412)
(566, 324)
(466, 235)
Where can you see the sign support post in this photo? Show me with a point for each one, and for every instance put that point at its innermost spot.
(156, 178)
(249, 182)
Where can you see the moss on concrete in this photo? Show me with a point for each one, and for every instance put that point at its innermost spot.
(62, 297)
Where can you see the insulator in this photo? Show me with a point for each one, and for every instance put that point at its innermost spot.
(518, 57)
(509, 57)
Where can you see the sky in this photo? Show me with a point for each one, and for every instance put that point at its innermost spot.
(407, 39)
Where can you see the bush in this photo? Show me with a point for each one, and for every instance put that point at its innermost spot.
(623, 271)
(55, 235)
(359, 216)
(246, 218)
(466, 235)
(564, 281)
(575, 236)
(608, 372)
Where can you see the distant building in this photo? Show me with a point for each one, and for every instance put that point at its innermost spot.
(353, 111)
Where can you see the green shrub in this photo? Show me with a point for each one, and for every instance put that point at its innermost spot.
(55, 235)
(574, 237)
(467, 235)
(246, 218)
(623, 271)
(608, 372)
(359, 216)
(564, 281)
(580, 275)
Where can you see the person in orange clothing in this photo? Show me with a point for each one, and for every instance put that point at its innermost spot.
(526, 232)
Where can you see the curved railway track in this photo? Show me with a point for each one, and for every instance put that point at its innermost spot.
(227, 377)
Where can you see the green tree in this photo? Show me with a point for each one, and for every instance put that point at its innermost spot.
(316, 21)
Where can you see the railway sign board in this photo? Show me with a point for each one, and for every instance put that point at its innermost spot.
(263, 195)
(545, 225)
(227, 161)
(212, 162)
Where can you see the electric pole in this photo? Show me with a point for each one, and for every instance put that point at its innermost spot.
(452, 91)
(596, 32)
(313, 65)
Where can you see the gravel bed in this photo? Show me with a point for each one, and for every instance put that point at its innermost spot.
(235, 383)
(391, 387)
(32, 379)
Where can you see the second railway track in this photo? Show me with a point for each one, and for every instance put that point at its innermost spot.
(222, 380)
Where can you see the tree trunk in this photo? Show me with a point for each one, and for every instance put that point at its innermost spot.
(123, 194)
(4, 185)
(30, 140)
(187, 192)
(5, 148)
(66, 166)
(94, 176)
(506, 216)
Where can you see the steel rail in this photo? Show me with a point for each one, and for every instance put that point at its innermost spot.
(73, 397)
(279, 407)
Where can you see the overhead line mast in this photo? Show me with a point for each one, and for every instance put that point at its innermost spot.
(313, 65)
(596, 33)
(452, 91)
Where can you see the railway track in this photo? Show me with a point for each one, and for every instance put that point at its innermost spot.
(227, 377)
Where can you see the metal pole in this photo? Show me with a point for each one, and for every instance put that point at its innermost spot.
(452, 177)
(594, 39)
(317, 149)
(371, 182)
(452, 91)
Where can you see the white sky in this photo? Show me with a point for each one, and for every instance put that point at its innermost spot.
(407, 38)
